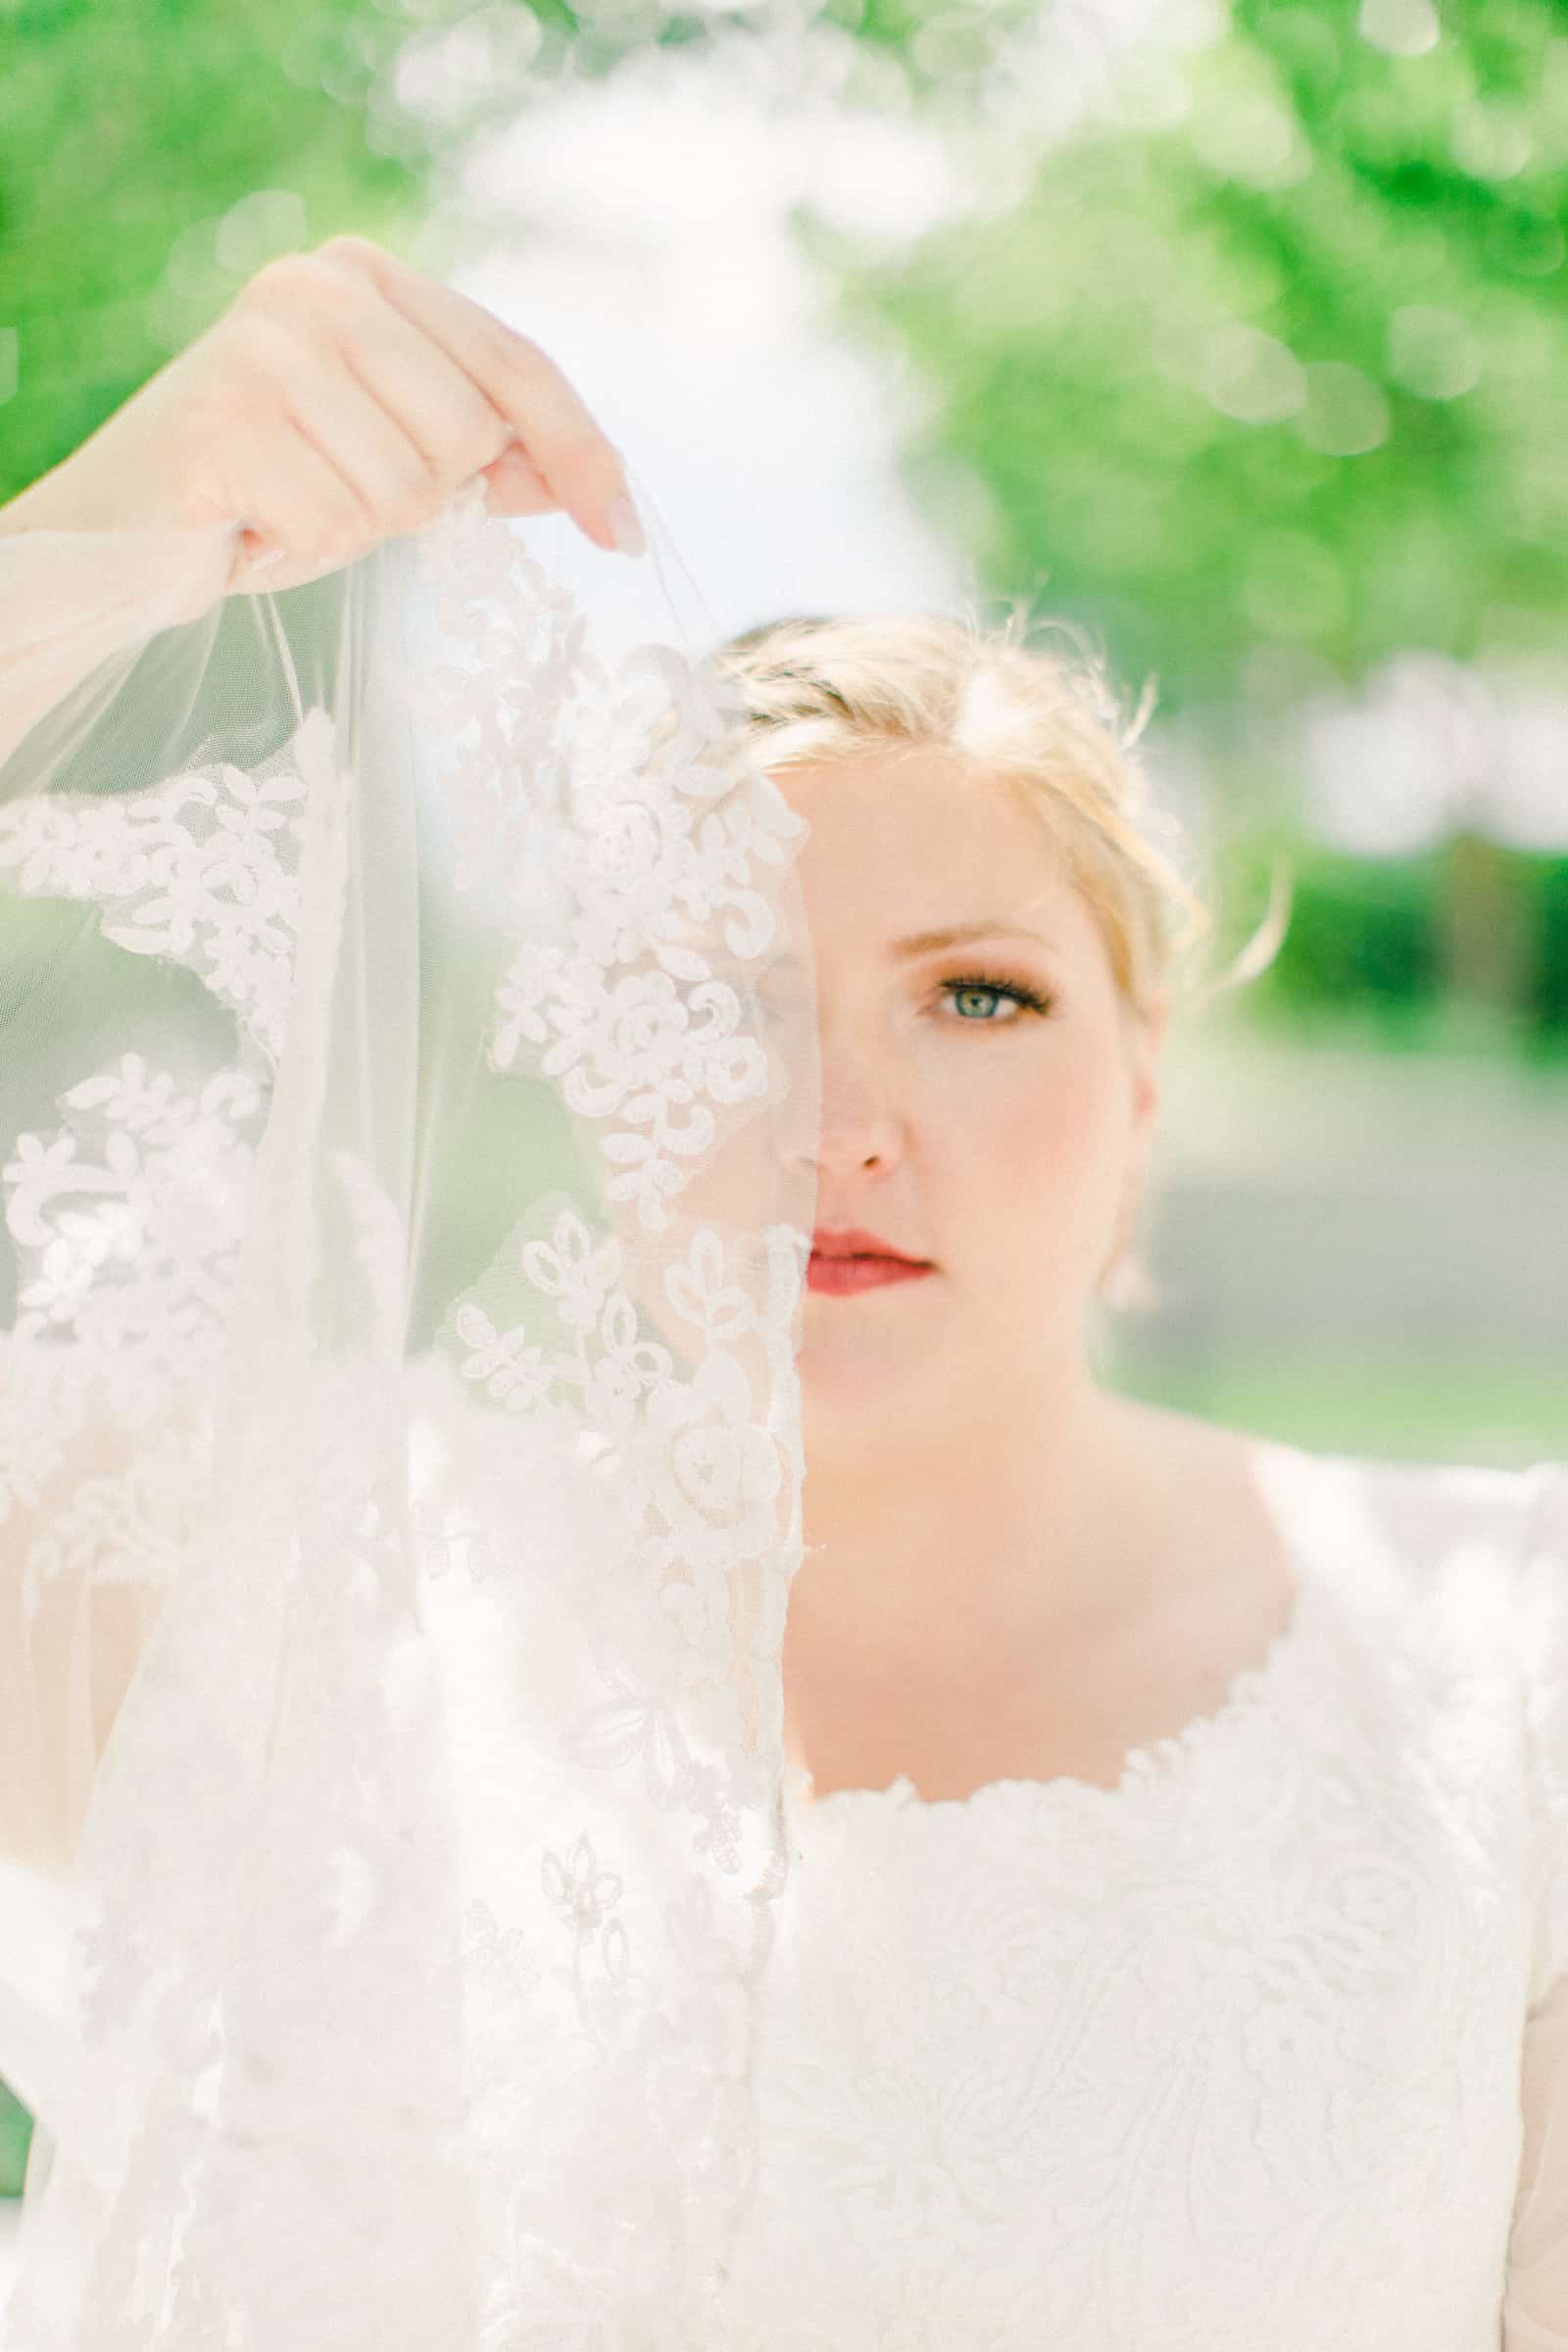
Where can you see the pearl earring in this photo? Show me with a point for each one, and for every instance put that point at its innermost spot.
(1124, 1281)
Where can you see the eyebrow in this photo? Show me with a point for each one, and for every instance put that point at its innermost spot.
(927, 943)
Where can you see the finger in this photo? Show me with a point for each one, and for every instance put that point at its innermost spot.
(397, 487)
(290, 496)
(565, 442)
(261, 567)
(436, 406)
(255, 564)
(514, 485)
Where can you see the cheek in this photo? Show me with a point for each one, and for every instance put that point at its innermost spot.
(1058, 1128)
(1040, 1164)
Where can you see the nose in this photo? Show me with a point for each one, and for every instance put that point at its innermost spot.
(860, 1125)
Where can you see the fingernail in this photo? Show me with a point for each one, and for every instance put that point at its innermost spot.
(625, 528)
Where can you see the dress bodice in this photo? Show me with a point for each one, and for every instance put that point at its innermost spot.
(1229, 2054)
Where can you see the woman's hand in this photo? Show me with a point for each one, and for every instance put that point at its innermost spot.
(338, 402)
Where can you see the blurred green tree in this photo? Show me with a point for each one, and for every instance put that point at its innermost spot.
(1266, 375)
(153, 153)
(1277, 357)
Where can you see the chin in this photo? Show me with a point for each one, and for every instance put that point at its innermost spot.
(863, 1381)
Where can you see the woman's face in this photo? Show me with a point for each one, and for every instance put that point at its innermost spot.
(959, 1123)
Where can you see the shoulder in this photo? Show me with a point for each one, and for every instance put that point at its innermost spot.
(1411, 1498)
(1466, 1523)
(1457, 1575)
(1545, 1489)
(1449, 1592)
(1542, 1592)
(1387, 1528)
(1424, 1507)
(1427, 1555)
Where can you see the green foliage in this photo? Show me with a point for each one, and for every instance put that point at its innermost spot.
(1273, 361)
(1362, 934)
(153, 153)
(1549, 894)
(1288, 372)
(1364, 948)
(16, 2135)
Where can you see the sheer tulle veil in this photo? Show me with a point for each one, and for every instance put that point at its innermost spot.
(408, 1128)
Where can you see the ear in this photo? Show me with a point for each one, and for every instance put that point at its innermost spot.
(1146, 1039)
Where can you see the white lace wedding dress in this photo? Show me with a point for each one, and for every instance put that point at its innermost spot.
(1247, 2051)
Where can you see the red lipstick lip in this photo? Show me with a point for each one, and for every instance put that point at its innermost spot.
(851, 1241)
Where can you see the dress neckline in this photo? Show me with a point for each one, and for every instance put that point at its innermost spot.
(1152, 1766)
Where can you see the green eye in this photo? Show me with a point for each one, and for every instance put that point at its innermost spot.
(973, 983)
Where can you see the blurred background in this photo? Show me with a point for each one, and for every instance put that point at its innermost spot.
(1237, 335)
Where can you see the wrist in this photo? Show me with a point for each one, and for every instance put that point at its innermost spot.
(50, 504)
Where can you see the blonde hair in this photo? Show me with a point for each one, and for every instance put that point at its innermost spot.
(1047, 721)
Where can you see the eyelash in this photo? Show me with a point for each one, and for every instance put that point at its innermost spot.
(993, 985)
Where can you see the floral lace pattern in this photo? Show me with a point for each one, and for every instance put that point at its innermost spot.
(127, 1221)
(638, 837)
(202, 868)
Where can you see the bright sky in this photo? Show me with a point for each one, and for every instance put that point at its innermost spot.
(659, 273)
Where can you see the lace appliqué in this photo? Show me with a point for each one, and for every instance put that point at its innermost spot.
(615, 860)
(127, 1221)
(203, 869)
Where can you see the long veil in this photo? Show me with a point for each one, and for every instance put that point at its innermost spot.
(408, 1176)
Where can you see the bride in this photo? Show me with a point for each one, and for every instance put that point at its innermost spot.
(1175, 1939)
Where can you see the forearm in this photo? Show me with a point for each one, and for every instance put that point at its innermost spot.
(71, 597)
